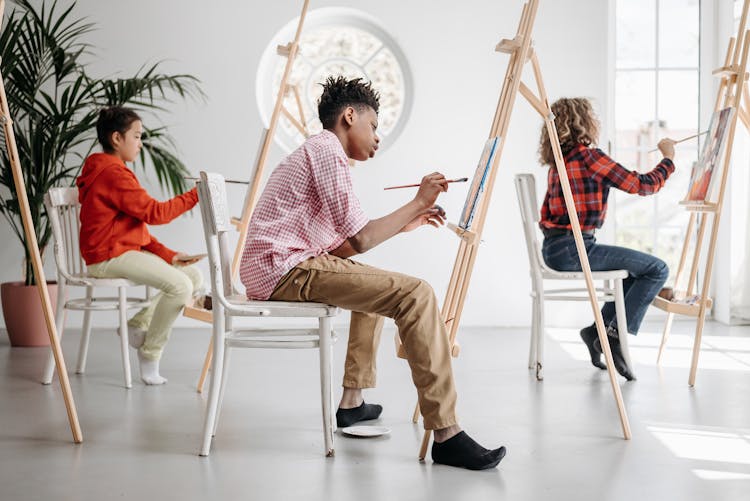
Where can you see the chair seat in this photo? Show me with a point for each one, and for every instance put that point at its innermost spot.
(84, 279)
(240, 305)
(275, 338)
(550, 274)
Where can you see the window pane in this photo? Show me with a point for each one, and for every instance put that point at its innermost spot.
(678, 33)
(641, 239)
(633, 210)
(669, 247)
(636, 34)
(678, 102)
(635, 108)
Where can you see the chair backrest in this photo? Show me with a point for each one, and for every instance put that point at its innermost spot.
(64, 211)
(527, 202)
(212, 194)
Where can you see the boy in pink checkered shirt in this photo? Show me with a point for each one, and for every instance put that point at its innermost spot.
(306, 226)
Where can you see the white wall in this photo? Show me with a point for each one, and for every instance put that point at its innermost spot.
(457, 80)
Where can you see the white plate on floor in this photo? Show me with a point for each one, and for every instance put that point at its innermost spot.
(366, 431)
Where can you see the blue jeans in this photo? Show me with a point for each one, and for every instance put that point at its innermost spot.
(646, 273)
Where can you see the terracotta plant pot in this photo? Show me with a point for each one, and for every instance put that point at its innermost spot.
(24, 317)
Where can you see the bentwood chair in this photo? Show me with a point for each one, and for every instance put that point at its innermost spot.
(611, 290)
(228, 304)
(63, 211)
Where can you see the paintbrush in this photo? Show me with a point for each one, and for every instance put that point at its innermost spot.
(460, 180)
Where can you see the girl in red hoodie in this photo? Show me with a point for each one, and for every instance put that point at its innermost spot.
(115, 241)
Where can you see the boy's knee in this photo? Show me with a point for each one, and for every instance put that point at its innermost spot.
(661, 270)
(195, 276)
(181, 288)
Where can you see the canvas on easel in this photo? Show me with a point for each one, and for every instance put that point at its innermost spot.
(702, 174)
(477, 184)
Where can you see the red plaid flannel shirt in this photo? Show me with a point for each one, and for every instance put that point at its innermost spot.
(592, 173)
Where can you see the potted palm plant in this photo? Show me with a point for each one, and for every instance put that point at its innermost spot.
(54, 100)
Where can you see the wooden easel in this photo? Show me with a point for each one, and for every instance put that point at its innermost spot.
(290, 51)
(520, 51)
(732, 92)
(36, 259)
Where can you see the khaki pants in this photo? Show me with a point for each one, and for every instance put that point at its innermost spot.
(176, 284)
(371, 293)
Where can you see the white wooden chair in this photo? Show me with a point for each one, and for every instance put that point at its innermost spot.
(63, 211)
(227, 304)
(611, 290)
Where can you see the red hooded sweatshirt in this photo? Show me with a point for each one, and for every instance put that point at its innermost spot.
(115, 211)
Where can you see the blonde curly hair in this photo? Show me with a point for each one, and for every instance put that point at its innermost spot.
(576, 123)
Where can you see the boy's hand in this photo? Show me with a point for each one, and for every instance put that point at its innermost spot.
(182, 259)
(435, 216)
(432, 185)
(666, 146)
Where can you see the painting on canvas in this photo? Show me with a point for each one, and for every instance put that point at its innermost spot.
(477, 184)
(702, 173)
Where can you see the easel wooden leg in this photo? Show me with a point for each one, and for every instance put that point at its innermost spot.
(36, 258)
(425, 443)
(664, 336)
(206, 365)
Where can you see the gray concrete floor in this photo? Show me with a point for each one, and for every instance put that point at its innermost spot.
(563, 434)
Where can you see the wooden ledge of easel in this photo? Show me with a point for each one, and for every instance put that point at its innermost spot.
(508, 46)
(689, 310)
(727, 71)
(699, 206)
(236, 221)
(198, 314)
(467, 235)
(284, 50)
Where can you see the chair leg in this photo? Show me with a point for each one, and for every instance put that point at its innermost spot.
(534, 331)
(540, 332)
(622, 323)
(215, 384)
(324, 333)
(49, 367)
(222, 387)
(83, 348)
(123, 309)
(664, 336)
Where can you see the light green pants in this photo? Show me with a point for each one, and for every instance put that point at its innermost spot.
(176, 284)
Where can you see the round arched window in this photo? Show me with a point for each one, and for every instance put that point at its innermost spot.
(334, 41)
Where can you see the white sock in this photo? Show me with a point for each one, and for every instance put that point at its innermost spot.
(136, 336)
(150, 370)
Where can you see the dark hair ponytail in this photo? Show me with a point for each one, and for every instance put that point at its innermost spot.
(113, 119)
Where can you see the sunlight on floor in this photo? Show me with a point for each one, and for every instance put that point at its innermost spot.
(729, 450)
(717, 352)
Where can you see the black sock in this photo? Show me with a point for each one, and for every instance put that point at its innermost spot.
(462, 451)
(591, 340)
(613, 336)
(347, 417)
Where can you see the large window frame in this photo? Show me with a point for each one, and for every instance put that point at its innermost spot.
(654, 224)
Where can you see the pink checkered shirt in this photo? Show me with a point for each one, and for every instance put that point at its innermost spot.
(307, 209)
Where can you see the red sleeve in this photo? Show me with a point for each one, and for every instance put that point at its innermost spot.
(159, 249)
(127, 195)
(606, 171)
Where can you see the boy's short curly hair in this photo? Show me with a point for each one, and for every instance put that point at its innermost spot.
(340, 92)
